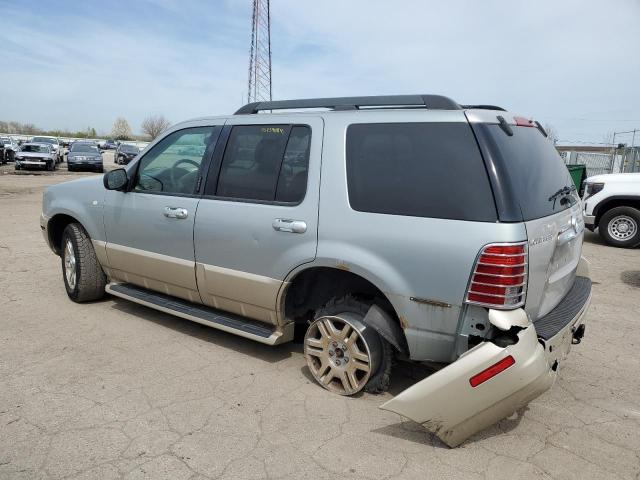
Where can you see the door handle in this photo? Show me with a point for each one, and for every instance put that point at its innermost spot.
(175, 212)
(288, 225)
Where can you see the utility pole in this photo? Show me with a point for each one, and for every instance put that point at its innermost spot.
(259, 84)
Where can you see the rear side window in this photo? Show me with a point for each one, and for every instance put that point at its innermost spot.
(534, 169)
(265, 163)
(418, 169)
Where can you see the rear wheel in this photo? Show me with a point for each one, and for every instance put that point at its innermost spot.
(84, 279)
(620, 227)
(344, 354)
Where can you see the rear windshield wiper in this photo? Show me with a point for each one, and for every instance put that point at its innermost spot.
(561, 193)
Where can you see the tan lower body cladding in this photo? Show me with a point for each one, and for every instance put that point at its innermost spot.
(252, 296)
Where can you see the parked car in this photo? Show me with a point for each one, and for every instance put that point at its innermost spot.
(84, 156)
(36, 155)
(125, 153)
(436, 232)
(612, 205)
(10, 148)
(55, 144)
(110, 145)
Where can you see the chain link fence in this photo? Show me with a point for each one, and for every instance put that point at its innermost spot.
(596, 163)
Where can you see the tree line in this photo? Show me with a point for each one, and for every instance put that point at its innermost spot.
(151, 127)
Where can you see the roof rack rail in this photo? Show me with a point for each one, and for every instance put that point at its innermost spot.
(434, 102)
(483, 107)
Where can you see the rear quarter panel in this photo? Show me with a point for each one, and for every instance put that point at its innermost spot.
(405, 257)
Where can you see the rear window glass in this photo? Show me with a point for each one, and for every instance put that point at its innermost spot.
(418, 169)
(266, 163)
(534, 169)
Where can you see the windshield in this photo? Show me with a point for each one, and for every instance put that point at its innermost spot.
(44, 140)
(35, 148)
(5, 140)
(537, 176)
(84, 148)
(129, 148)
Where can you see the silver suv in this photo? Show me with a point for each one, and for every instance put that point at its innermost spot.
(376, 228)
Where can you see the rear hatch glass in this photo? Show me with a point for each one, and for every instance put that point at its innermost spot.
(530, 170)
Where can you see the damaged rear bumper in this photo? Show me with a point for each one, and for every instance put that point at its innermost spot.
(453, 405)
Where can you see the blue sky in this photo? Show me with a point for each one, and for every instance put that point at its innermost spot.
(72, 64)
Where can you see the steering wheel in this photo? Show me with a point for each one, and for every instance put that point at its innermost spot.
(172, 172)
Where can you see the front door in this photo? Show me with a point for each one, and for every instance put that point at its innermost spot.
(149, 228)
(258, 218)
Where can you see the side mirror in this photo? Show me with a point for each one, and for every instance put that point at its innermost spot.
(116, 179)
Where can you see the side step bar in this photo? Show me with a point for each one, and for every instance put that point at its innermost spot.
(229, 322)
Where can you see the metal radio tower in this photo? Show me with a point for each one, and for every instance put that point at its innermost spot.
(260, 56)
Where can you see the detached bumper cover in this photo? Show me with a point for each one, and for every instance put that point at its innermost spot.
(446, 403)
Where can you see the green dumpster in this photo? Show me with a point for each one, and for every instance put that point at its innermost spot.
(578, 174)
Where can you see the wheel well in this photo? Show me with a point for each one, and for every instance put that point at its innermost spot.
(314, 287)
(613, 203)
(56, 226)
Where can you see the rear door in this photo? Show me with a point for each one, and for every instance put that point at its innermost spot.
(541, 186)
(258, 219)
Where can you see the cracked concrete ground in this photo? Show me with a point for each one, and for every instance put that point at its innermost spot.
(115, 390)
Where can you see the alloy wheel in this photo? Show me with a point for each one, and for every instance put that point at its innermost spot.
(70, 265)
(341, 353)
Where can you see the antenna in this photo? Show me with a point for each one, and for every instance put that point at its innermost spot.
(259, 85)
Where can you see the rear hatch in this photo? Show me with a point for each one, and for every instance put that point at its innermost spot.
(532, 185)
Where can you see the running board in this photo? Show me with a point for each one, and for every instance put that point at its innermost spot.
(228, 322)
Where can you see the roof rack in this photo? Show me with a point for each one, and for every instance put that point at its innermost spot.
(434, 102)
(483, 107)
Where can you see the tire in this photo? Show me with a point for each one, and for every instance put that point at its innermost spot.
(120, 160)
(620, 227)
(17, 167)
(83, 277)
(11, 156)
(51, 166)
(322, 352)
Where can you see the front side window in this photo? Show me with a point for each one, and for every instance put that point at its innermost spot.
(418, 169)
(173, 164)
(265, 163)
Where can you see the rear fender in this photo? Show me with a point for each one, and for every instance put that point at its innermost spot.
(449, 406)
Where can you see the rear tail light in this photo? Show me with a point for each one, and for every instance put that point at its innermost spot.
(499, 278)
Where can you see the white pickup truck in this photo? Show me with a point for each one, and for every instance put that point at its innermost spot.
(612, 205)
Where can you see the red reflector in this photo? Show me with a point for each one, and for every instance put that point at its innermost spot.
(492, 371)
(523, 122)
(494, 270)
(505, 249)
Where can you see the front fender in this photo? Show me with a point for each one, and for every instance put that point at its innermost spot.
(81, 199)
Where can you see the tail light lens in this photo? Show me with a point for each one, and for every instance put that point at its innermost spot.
(499, 278)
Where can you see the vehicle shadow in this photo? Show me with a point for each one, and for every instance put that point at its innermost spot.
(631, 278)
(593, 237)
(267, 353)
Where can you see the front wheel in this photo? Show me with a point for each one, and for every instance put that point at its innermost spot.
(344, 354)
(620, 227)
(84, 279)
